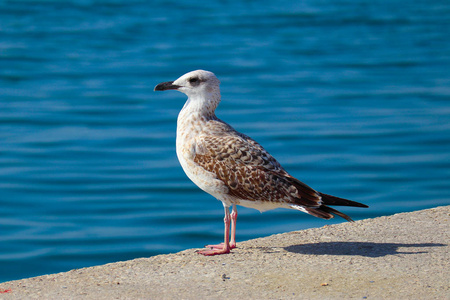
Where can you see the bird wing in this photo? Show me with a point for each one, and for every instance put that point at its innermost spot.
(247, 169)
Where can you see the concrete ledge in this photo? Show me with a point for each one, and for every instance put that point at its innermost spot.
(404, 256)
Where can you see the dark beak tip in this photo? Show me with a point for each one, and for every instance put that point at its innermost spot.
(164, 86)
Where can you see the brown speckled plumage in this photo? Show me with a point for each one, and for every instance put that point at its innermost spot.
(231, 166)
(249, 172)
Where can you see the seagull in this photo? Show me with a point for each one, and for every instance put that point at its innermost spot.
(231, 166)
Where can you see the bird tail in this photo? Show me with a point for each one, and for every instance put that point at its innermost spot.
(326, 212)
(332, 200)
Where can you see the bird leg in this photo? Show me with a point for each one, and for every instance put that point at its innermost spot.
(234, 215)
(225, 246)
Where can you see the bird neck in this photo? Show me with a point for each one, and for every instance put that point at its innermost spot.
(200, 106)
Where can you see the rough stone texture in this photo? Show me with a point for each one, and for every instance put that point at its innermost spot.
(404, 256)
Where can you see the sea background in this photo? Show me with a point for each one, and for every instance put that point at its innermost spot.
(352, 97)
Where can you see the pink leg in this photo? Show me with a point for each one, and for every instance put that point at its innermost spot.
(234, 215)
(225, 247)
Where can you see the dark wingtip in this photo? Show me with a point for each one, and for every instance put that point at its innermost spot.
(333, 200)
(330, 210)
(164, 86)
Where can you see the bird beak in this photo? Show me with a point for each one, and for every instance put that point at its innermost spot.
(164, 86)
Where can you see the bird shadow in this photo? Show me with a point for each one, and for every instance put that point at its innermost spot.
(358, 248)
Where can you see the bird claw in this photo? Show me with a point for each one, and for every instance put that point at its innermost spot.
(219, 246)
(217, 251)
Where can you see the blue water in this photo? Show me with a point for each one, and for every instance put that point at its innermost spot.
(352, 97)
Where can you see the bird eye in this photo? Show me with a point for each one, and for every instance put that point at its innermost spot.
(193, 80)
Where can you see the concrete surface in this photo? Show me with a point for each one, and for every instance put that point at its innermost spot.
(404, 256)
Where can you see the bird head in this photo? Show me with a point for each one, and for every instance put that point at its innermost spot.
(201, 87)
(195, 83)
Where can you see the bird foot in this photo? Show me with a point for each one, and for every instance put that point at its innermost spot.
(216, 249)
(219, 246)
(211, 252)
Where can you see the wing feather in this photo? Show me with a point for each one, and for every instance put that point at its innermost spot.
(247, 169)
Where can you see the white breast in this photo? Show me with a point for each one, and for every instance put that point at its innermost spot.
(188, 128)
